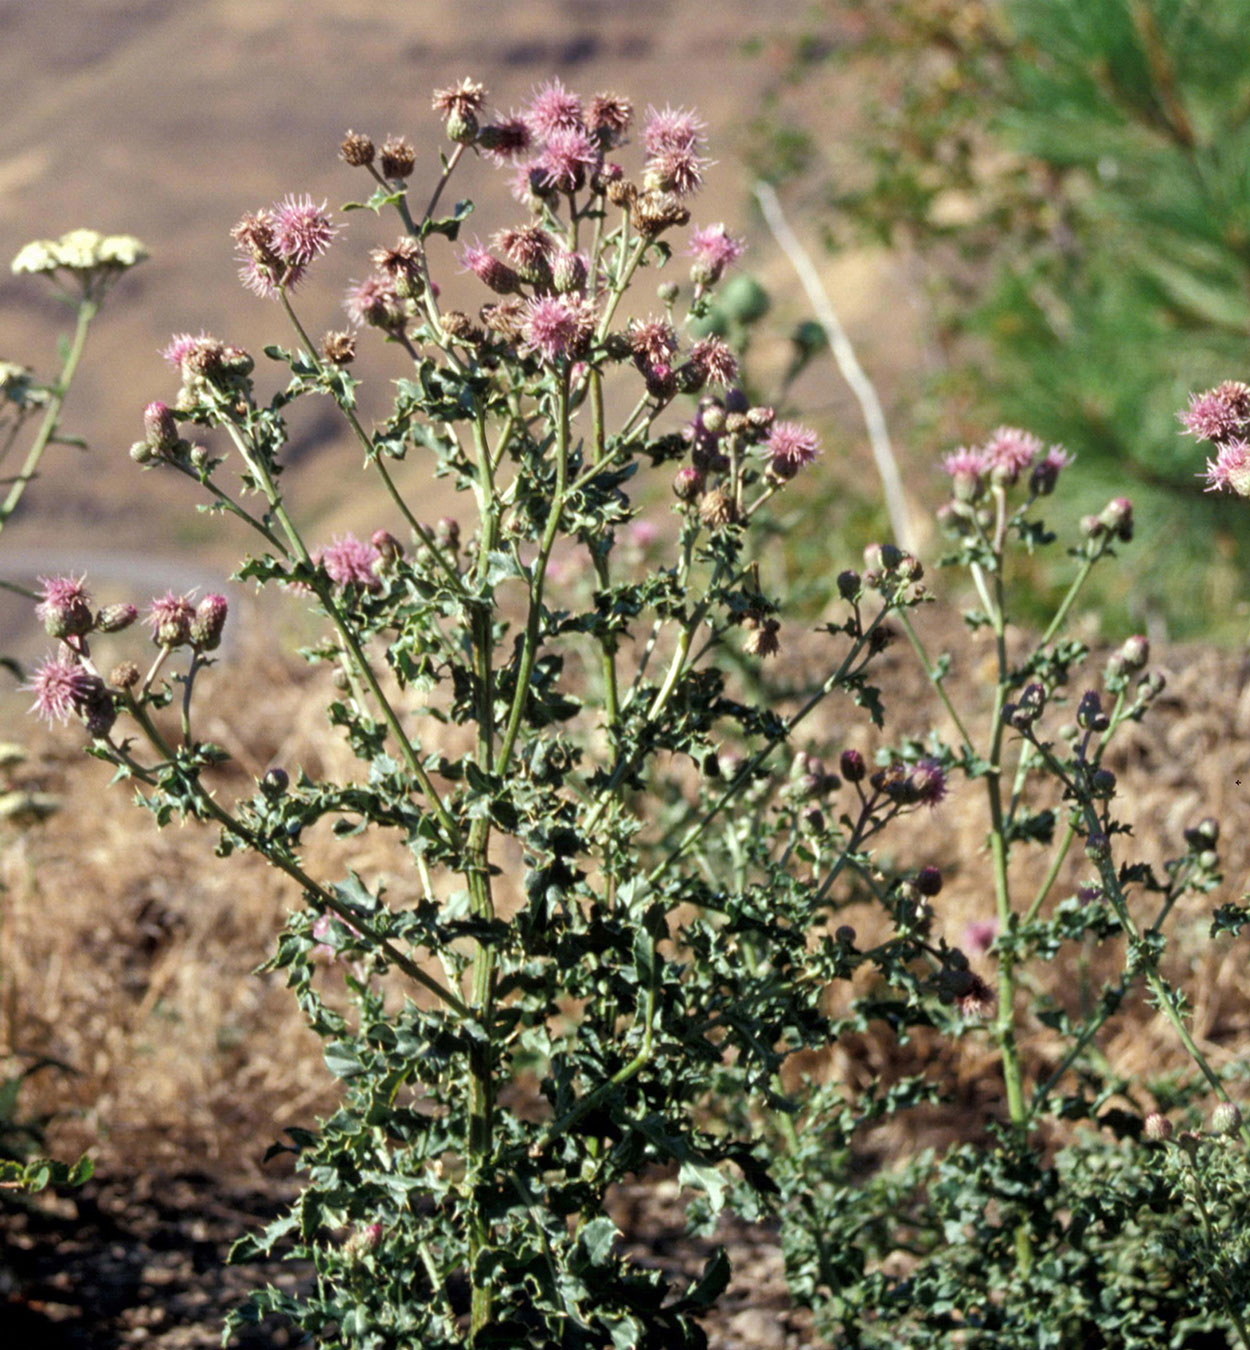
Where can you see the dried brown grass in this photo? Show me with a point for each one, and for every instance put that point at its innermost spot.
(128, 952)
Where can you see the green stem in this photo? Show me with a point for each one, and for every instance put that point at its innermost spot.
(87, 310)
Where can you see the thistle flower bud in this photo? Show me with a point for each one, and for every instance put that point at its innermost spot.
(712, 417)
(814, 819)
(274, 782)
(687, 483)
(142, 453)
(1134, 653)
(1206, 832)
(1102, 783)
(209, 620)
(447, 533)
(98, 713)
(160, 426)
(1225, 1119)
(114, 618)
(1092, 527)
(1157, 1128)
(929, 881)
(387, 545)
(1117, 517)
(568, 271)
(845, 935)
(852, 766)
(461, 126)
(848, 585)
(1152, 685)
(1089, 711)
(356, 150)
(125, 675)
(668, 291)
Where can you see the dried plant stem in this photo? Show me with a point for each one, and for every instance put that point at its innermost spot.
(847, 362)
(87, 310)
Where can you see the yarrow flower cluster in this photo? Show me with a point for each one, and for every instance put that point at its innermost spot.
(1222, 416)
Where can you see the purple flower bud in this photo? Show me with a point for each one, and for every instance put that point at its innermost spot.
(210, 619)
(852, 765)
(160, 426)
(687, 483)
(929, 881)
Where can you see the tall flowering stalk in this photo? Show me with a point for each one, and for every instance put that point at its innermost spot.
(82, 267)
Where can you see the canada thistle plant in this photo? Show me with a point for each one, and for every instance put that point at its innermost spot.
(631, 851)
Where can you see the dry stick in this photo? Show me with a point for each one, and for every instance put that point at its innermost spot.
(847, 363)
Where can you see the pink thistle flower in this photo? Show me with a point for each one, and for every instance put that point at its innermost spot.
(65, 607)
(928, 782)
(652, 340)
(1010, 450)
(713, 250)
(301, 230)
(978, 936)
(553, 108)
(1230, 469)
(61, 687)
(375, 301)
(791, 446)
(672, 129)
(506, 140)
(715, 358)
(488, 269)
(183, 345)
(350, 561)
(556, 326)
(608, 118)
(964, 461)
(171, 617)
(254, 236)
(530, 249)
(570, 155)
(1218, 414)
(677, 171)
(266, 279)
(466, 97)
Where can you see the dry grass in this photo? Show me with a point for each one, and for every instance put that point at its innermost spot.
(127, 953)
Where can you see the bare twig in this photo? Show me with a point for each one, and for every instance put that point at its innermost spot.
(847, 362)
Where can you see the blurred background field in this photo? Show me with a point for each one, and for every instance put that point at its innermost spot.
(1025, 213)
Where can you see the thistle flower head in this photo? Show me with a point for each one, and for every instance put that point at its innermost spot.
(928, 781)
(608, 118)
(676, 170)
(61, 687)
(652, 340)
(1230, 469)
(672, 128)
(490, 270)
(349, 561)
(183, 345)
(715, 359)
(713, 249)
(569, 156)
(1009, 451)
(65, 607)
(557, 326)
(302, 231)
(171, 617)
(466, 97)
(503, 142)
(375, 301)
(791, 446)
(1218, 414)
(553, 108)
